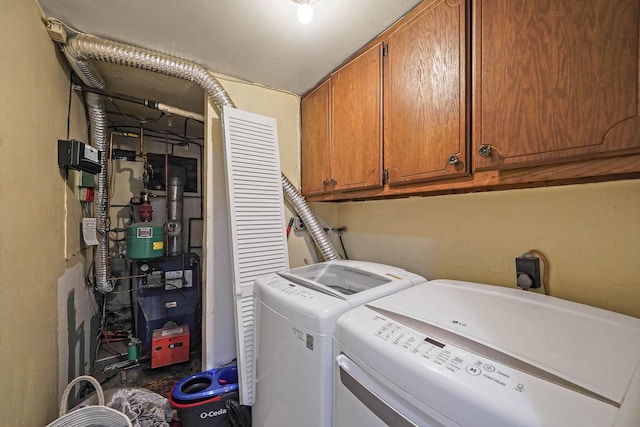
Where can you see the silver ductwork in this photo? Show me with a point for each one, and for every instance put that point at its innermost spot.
(82, 48)
(98, 129)
(174, 215)
(310, 221)
(87, 72)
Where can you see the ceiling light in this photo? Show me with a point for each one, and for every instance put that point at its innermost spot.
(305, 11)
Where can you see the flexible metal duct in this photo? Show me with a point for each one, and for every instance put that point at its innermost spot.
(82, 48)
(87, 72)
(98, 128)
(310, 221)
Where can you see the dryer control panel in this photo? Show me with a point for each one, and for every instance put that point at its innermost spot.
(448, 358)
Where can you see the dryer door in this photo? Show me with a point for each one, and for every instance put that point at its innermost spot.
(362, 400)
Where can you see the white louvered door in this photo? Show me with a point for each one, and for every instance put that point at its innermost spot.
(256, 212)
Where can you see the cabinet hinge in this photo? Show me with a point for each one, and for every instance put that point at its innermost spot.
(385, 49)
(385, 176)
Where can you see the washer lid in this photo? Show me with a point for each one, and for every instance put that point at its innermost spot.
(335, 279)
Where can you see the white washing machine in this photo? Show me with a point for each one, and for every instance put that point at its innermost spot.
(464, 354)
(296, 315)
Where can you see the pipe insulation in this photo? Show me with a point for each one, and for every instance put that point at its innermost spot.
(153, 104)
(169, 109)
(82, 48)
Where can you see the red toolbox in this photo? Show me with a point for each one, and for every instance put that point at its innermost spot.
(169, 346)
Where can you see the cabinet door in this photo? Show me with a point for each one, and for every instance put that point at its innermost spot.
(554, 81)
(356, 122)
(314, 148)
(425, 102)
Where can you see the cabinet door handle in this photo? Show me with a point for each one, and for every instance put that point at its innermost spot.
(333, 182)
(453, 160)
(325, 183)
(485, 151)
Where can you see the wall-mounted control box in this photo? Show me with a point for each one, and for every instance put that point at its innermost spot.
(74, 154)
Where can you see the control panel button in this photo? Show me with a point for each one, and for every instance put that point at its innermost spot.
(474, 370)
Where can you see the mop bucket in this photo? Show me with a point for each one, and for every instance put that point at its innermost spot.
(201, 399)
(93, 415)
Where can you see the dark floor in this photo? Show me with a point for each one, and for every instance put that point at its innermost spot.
(114, 370)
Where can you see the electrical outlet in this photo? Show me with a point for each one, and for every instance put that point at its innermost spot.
(528, 271)
(298, 225)
(56, 32)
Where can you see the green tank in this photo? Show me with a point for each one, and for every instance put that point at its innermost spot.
(145, 241)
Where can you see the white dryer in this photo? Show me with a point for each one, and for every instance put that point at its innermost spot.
(296, 316)
(464, 354)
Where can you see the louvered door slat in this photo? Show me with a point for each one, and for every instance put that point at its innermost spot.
(256, 209)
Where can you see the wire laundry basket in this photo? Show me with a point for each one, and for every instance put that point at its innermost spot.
(93, 415)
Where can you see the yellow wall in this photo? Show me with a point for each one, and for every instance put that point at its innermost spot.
(590, 234)
(33, 115)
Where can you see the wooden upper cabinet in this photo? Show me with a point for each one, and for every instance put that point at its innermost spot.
(554, 81)
(356, 122)
(425, 105)
(315, 174)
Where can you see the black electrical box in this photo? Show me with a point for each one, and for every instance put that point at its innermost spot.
(528, 272)
(78, 155)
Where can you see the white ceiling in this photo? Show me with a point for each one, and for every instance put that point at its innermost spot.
(260, 41)
(257, 40)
